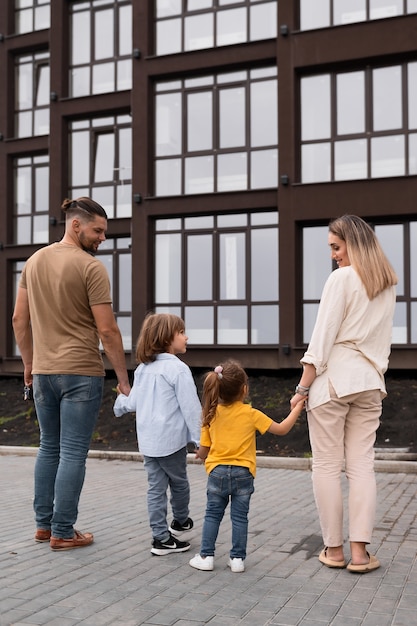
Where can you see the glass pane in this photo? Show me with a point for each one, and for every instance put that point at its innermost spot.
(267, 217)
(80, 159)
(232, 117)
(41, 122)
(413, 260)
(385, 8)
(315, 163)
(105, 197)
(230, 221)
(391, 238)
(24, 98)
(124, 75)
(264, 270)
(125, 282)
(125, 30)
(24, 124)
(399, 330)
(164, 8)
(263, 21)
(24, 21)
(103, 78)
(387, 156)
(81, 38)
(315, 107)
(42, 91)
(124, 201)
(315, 247)
(168, 224)
(125, 326)
(168, 177)
(80, 82)
(411, 6)
(387, 98)
(314, 14)
(168, 37)
(41, 189)
(193, 223)
(349, 11)
(232, 172)
(412, 154)
(232, 325)
(23, 190)
(412, 95)
(168, 124)
(199, 324)
(350, 103)
(199, 176)
(199, 32)
(40, 229)
(104, 161)
(264, 169)
(264, 113)
(264, 325)
(200, 121)
(104, 34)
(232, 266)
(309, 319)
(199, 267)
(231, 27)
(350, 159)
(42, 17)
(168, 268)
(413, 310)
(197, 5)
(23, 230)
(125, 154)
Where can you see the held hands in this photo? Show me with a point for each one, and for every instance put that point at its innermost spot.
(298, 401)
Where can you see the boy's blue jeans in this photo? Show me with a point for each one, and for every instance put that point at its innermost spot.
(224, 482)
(163, 472)
(67, 407)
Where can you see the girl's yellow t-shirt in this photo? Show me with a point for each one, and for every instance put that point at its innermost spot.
(231, 436)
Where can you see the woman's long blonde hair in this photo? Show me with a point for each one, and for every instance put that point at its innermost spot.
(365, 253)
(223, 385)
(156, 335)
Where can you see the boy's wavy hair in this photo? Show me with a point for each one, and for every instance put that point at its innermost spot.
(223, 385)
(156, 335)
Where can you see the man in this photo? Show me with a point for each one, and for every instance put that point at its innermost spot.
(63, 309)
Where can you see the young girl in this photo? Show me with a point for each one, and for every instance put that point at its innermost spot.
(228, 447)
(168, 414)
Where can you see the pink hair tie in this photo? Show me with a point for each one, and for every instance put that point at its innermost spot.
(218, 370)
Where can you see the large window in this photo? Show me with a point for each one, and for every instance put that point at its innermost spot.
(198, 24)
(32, 94)
(31, 200)
(101, 47)
(217, 133)
(220, 273)
(359, 124)
(399, 244)
(101, 162)
(32, 15)
(323, 13)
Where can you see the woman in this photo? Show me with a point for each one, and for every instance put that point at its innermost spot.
(343, 377)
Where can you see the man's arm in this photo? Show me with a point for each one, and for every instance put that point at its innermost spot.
(111, 339)
(23, 332)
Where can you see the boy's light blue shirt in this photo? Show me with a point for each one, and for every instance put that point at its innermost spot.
(168, 410)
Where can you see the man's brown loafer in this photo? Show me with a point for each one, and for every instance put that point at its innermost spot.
(42, 535)
(79, 540)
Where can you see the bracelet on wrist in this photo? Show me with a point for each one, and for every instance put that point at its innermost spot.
(302, 391)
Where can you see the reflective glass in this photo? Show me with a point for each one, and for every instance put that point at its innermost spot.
(309, 319)
(231, 27)
(103, 78)
(413, 309)
(263, 21)
(24, 124)
(314, 14)
(104, 34)
(315, 274)
(80, 38)
(40, 229)
(194, 223)
(232, 220)
(385, 8)
(199, 324)
(125, 282)
(168, 37)
(350, 159)
(387, 156)
(232, 172)
(412, 154)
(125, 154)
(41, 121)
(199, 267)
(199, 175)
(124, 201)
(264, 324)
(350, 103)
(165, 8)
(105, 197)
(104, 158)
(348, 11)
(264, 264)
(41, 189)
(264, 113)
(42, 17)
(168, 124)
(80, 158)
(24, 21)
(232, 117)
(168, 177)
(23, 230)
(80, 81)
(168, 263)
(232, 266)
(125, 326)
(199, 32)
(232, 325)
(315, 107)
(413, 259)
(412, 95)
(200, 121)
(23, 190)
(399, 330)
(315, 163)
(391, 238)
(42, 87)
(264, 169)
(124, 74)
(125, 30)
(267, 217)
(24, 98)
(387, 98)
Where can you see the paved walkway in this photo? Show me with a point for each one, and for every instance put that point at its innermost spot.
(117, 581)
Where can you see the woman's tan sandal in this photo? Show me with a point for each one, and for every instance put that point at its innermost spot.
(365, 567)
(323, 558)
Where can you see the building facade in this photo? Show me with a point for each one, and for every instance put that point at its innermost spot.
(221, 136)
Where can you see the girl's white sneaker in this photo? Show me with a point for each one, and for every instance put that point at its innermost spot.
(236, 565)
(205, 563)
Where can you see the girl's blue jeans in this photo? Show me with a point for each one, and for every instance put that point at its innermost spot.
(67, 407)
(234, 483)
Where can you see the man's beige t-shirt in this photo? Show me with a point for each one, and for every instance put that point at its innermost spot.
(63, 283)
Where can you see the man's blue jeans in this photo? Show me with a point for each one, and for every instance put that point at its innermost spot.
(224, 482)
(67, 407)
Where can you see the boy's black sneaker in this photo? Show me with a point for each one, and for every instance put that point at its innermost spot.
(177, 529)
(160, 548)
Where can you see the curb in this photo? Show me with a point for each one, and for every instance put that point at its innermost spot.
(270, 462)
